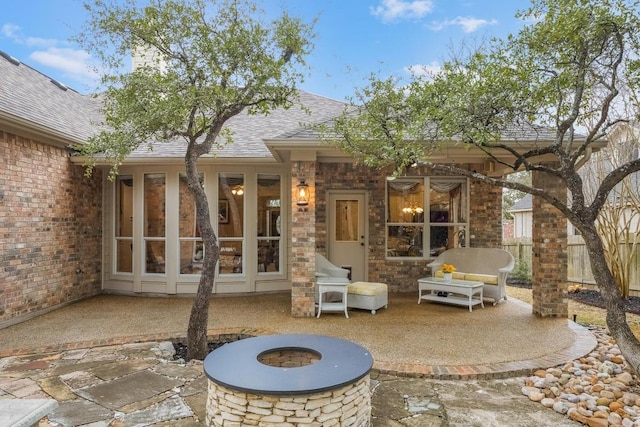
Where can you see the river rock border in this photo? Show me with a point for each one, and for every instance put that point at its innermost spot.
(596, 390)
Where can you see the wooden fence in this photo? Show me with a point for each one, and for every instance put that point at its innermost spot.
(578, 267)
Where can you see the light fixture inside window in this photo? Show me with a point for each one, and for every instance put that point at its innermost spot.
(237, 191)
(302, 191)
(412, 209)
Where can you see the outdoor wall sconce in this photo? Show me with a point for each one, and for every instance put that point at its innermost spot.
(302, 191)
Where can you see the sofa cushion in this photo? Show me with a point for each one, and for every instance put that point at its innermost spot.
(487, 279)
(367, 288)
(456, 274)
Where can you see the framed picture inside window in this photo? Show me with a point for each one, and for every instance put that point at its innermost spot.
(223, 211)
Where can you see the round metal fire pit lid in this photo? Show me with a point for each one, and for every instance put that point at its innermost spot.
(236, 365)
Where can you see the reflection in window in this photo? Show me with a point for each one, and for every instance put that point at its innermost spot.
(231, 206)
(347, 221)
(444, 221)
(190, 242)
(269, 223)
(405, 218)
(154, 222)
(124, 224)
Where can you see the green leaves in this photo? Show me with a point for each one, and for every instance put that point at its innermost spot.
(204, 62)
(565, 71)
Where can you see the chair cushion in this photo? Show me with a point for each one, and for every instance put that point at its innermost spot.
(487, 279)
(456, 275)
(367, 288)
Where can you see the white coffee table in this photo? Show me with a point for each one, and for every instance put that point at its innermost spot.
(332, 284)
(460, 292)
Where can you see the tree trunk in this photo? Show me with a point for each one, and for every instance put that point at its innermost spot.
(199, 318)
(613, 299)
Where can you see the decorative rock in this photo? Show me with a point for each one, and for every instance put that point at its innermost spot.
(614, 419)
(561, 407)
(536, 396)
(596, 390)
(625, 378)
(547, 402)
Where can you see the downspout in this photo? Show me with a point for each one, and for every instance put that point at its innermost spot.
(587, 155)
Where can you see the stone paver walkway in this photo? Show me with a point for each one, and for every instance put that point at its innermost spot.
(140, 385)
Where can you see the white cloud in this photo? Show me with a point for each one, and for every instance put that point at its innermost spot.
(424, 70)
(468, 24)
(40, 42)
(393, 10)
(14, 32)
(10, 30)
(71, 62)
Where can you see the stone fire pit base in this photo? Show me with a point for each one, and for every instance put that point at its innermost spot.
(287, 381)
(347, 406)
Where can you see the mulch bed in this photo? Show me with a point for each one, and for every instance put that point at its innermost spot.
(593, 298)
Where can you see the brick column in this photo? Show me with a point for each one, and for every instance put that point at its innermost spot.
(549, 261)
(485, 216)
(303, 242)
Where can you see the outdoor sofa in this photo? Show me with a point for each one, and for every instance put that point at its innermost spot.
(490, 266)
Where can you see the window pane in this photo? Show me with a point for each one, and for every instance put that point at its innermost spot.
(231, 257)
(124, 224)
(269, 206)
(155, 256)
(347, 227)
(268, 256)
(191, 257)
(231, 205)
(188, 226)
(405, 201)
(154, 205)
(447, 201)
(269, 223)
(446, 237)
(124, 219)
(405, 241)
(125, 256)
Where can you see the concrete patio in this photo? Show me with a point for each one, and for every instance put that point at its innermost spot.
(432, 340)
(104, 362)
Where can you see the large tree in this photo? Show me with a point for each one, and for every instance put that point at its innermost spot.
(206, 62)
(566, 70)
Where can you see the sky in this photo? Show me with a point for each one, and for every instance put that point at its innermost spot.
(354, 37)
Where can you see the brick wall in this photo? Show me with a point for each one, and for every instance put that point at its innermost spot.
(50, 228)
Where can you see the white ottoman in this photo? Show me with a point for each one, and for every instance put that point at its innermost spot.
(367, 296)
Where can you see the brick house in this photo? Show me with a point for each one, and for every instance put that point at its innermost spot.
(66, 236)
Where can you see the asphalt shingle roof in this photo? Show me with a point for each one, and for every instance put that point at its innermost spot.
(31, 96)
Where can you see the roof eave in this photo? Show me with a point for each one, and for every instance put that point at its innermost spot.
(36, 131)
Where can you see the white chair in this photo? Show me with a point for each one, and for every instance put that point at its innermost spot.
(331, 286)
(324, 268)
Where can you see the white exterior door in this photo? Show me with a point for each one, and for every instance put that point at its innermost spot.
(347, 242)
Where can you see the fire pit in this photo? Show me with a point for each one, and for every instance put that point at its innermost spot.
(289, 379)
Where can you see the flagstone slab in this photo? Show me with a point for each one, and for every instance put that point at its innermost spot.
(24, 412)
(109, 371)
(173, 408)
(57, 389)
(130, 389)
(80, 412)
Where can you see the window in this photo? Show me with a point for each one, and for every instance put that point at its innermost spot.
(124, 224)
(231, 222)
(269, 224)
(155, 222)
(425, 216)
(191, 248)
